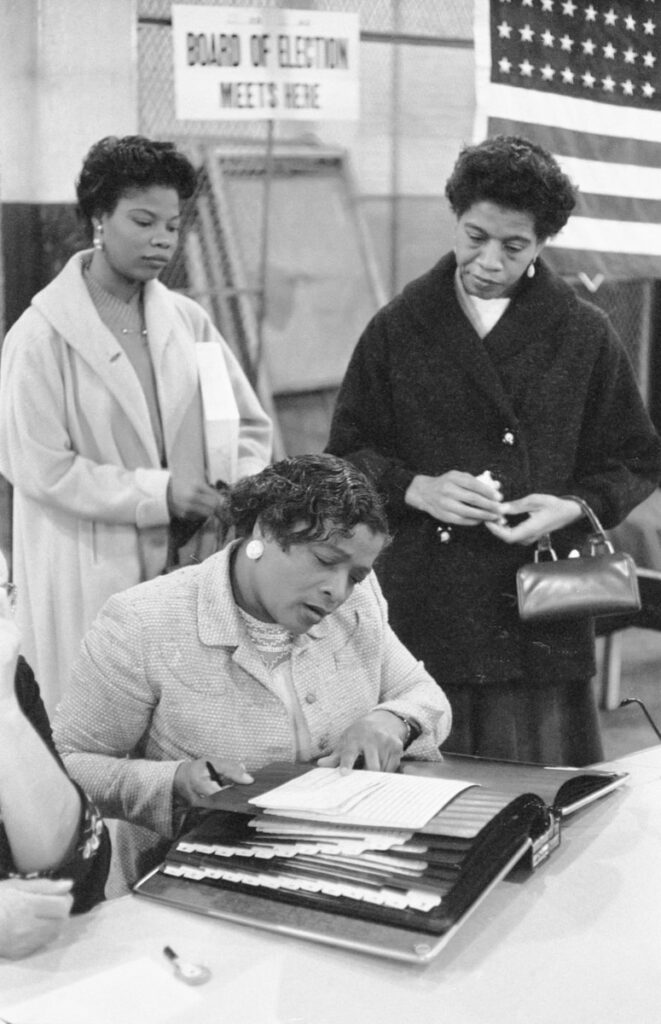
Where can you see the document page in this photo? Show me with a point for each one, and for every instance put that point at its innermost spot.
(378, 799)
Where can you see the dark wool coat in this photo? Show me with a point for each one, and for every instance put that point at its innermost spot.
(548, 403)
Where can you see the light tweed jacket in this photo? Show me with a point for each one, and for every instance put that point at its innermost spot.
(168, 673)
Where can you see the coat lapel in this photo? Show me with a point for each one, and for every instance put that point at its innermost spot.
(432, 300)
(67, 306)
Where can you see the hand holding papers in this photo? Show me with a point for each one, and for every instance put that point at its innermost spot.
(361, 798)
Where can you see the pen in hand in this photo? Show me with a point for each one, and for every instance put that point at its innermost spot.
(215, 777)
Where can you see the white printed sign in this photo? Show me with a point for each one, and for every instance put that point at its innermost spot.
(238, 63)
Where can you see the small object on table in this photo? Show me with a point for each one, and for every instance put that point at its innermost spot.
(191, 974)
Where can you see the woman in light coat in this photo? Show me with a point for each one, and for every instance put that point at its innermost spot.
(101, 418)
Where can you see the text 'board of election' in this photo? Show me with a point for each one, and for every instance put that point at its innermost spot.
(238, 63)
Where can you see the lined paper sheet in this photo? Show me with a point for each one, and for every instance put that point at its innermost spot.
(361, 797)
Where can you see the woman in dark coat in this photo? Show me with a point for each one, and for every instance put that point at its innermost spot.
(478, 401)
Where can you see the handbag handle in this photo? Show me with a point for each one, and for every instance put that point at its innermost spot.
(598, 537)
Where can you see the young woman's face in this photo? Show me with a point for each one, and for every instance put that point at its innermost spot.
(494, 247)
(300, 586)
(140, 235)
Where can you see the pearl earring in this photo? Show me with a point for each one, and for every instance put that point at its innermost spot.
(254, 550)
(98, 236)
(530, 272)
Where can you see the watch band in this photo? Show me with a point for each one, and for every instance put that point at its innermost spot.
(412, 728)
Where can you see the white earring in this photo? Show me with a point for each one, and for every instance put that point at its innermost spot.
(98, 236)
(254, 550)
(530, 272)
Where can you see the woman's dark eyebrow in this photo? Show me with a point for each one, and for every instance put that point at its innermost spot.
(152, 213)
(510, 238)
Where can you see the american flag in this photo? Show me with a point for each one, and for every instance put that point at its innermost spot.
(584, 81)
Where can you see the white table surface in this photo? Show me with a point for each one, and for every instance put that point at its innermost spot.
(577, 942)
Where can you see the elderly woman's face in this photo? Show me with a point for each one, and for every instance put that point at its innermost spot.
(140, 235)
(494, 247)
(299, 586)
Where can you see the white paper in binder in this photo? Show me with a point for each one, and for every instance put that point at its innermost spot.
(221, 415)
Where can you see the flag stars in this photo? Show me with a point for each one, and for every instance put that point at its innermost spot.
(566, 44)
(649, 60)
(590, 13)
(649, 27)
(505, 65)
(610, 17)
(628, 87)
(629, 56)
(526, 34)
(589, 46)
(547, 38)
(568, 76)
(568, 8)
(526, 3)
(547, 73)
(504, 30)
(547, 6)
(588, 80)
(608, 84)
(609, 51)
(526, 69)
(648, 90)
(630, 23)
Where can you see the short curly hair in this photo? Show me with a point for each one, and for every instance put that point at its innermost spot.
(114, 167)
(329, 496)
(516, 174)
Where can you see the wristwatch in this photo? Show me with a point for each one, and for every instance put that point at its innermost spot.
(413, 730)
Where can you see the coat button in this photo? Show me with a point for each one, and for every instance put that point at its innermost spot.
(310, 698)
(324, 742)
(508, 437)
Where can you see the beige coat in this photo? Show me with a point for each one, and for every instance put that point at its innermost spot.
(168, 673)
(90, 509)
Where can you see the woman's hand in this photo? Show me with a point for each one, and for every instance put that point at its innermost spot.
(546, 513)
(455, 497)
(187, 500)
(193, 782)
(378, 738)
(32, 913)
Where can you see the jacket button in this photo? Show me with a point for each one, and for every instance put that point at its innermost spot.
(324, 742)
(310, 698)
(508, 437)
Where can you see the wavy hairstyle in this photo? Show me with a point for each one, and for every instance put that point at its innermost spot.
(516, 174)
(307, 498)
(114, 167)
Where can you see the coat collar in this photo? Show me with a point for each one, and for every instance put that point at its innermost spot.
(538, 304)
(220, 625)
(67, 306)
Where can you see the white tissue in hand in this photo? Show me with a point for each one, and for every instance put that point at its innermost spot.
(487, 478)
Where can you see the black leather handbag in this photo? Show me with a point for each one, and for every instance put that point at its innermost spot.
(599, 581)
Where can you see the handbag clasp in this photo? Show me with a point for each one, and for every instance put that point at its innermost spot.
(544, 547)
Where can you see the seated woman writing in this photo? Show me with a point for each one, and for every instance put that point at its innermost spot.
(54, 849)
(276, 649)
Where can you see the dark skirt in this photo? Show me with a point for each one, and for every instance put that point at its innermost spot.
(555, 723)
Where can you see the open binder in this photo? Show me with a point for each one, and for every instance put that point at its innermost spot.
(400, 894)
